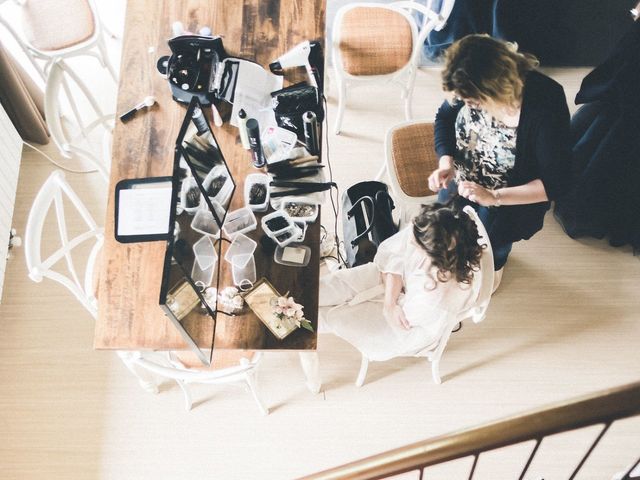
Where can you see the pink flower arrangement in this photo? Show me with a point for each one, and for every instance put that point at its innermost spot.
(287, 310)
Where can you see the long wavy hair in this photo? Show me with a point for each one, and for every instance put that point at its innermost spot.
(483, 68)
(450, 238)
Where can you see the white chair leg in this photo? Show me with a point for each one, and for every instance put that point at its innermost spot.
(403, 216)
(311, 367)
(407, 107)
(129, 361)
(251, 381)
(188, 403)
(364, 366)
(342, 99)
(435, 370)
(408, 95)
(105, 59)
(381, 172)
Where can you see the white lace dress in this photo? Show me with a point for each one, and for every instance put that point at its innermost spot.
(351, 301)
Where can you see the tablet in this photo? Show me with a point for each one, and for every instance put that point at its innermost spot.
(143, 211)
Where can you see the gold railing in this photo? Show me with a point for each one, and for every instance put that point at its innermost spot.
(604, 408)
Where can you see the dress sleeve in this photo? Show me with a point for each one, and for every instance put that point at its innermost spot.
(390, 257)
(445, 128)
(553, 149)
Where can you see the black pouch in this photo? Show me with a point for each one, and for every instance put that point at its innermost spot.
(290, 103)
(191, 67)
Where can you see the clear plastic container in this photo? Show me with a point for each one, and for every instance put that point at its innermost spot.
(223, 194)
(303, 227)
(243, 271)
(241, 246)
(205, 223)
(300, 209)
(277, 143)
(205, 253)
(241, 220)
(272, 226)
(256, 179)
(204, 275)
(285, 238)
(293, 255)
(190, 196)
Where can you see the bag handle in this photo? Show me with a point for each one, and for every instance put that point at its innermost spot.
(373, 217)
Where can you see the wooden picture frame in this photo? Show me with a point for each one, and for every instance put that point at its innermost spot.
(259, 300)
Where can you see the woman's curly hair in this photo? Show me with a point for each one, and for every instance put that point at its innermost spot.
(450, 238)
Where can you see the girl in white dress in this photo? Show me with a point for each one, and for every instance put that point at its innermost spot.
(420, 278)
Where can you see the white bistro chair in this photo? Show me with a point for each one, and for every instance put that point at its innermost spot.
(483, 282)
(170, 366)
(54, 194)
(54, 29)
(77, 124)
(410, 157)
(61, 266)
(374, 43)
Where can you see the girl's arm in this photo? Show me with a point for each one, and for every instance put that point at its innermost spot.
(392, 311)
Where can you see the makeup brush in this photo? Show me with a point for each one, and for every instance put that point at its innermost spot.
(146, 103)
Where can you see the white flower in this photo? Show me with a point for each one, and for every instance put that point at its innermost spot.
(228, 292)
(277, 310)
(237, 301)
(290, 312)
(299, 314)
(282, 302)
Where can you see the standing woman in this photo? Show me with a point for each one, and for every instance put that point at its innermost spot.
(503, 141)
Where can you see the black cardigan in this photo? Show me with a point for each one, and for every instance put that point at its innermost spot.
(542, 152)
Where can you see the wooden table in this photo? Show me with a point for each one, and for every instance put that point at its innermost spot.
(129, 316)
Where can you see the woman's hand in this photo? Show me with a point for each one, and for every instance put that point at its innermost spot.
(395, 316)
(440, 178)
(477, 193)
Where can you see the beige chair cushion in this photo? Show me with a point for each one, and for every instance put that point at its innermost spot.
(414, 158)
(374, 41)
(56, 24)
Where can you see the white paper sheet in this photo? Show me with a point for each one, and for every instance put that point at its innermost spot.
(144, 210)
(253, 94)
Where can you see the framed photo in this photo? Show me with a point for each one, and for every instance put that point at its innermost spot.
(259, 300)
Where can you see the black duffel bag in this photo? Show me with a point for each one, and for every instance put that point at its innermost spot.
(366, 220)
